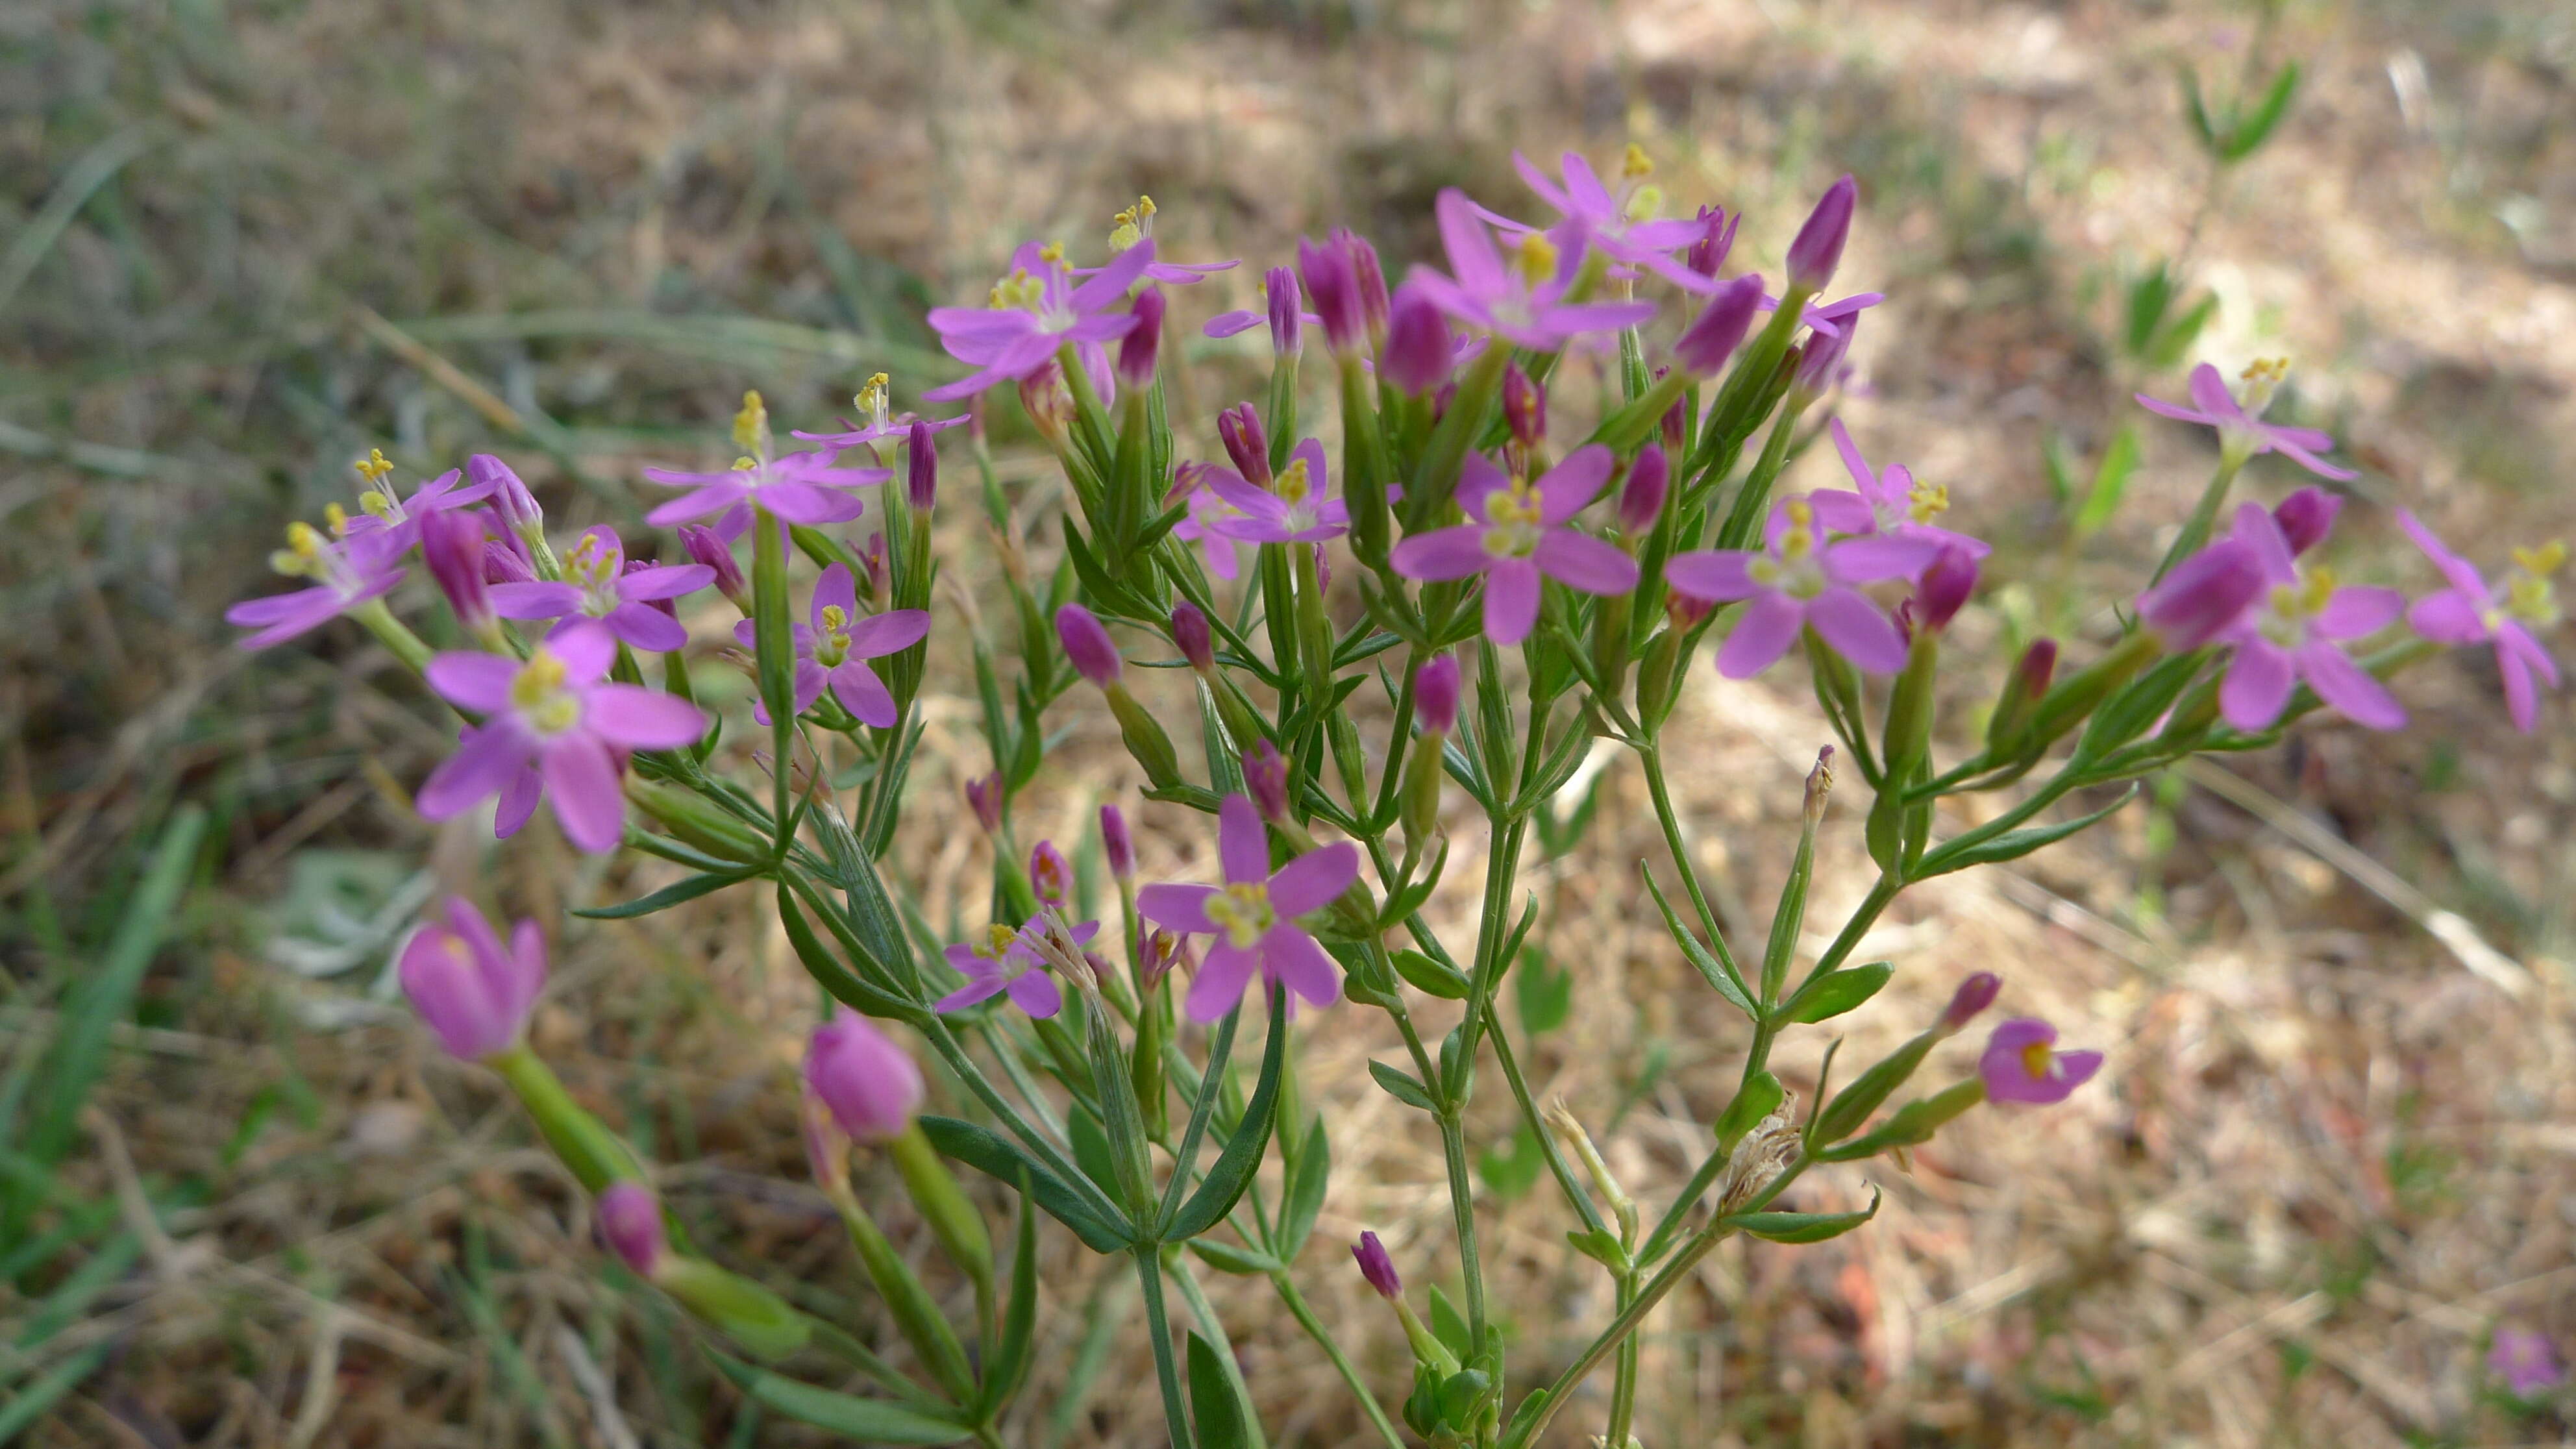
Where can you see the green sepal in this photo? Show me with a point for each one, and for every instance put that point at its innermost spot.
(1802, 1227)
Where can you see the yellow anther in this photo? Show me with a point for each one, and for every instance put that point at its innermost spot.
(2262, 377)
(537, 692)
(337, 517)
(376, 504)
(744, 465)
(1051, 253)
(373, 467)
(1927, 501)
(1800, 540)
(751, 425)
(2036, 1059)
(1243, 911)
(1536, 258)
(1292, 483)
(1145, 209)
(835, 618)
(2532, 599)
(871, 396)
(2543, 561)
(1635, 165)
(998, 939)
(1644, 203)
(1125, 234)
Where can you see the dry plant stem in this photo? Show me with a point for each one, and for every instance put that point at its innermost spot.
(1298, 1308)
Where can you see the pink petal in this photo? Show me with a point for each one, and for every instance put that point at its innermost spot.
(1847, 620)
(882, 634)
(976, 989)
(1537, 180)
(810, 504)
(1220, 981)
(1584, 563)
(1293, 958)
(1112, 281)
(1717, 576)
(518, 802)
(1573, 483)
(2257, 687)
(2175, 411)
(1853, 463)
(1769, 626)
(1242, 847)
(1441, 554)
(665, 581)
(647, 628)
(479, 682)
(484, 764)
(1183, 908)
(534, 600)
(1311, 881)
(2449, 617)
(642, 719)
(2209, 390)
(1472, 258)
(2258, 530)
(1036, 993)
(860, 692)
(2521, 701)
(1511, 600)
(581, 779)
(1843, 511)
(2349, 687)
(2464, 575)
(1883, 556)
(2360, 610)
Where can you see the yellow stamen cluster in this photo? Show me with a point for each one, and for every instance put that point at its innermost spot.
(2037, 1060)
(1800, 540)
(1018, 291)
(2530, 596)
(1292, 483)
(537, 692)
(588, 566)
(1635, 165)
(1927, 501)
(1536, 258)
(751, 426)
(2308, 597)
(1243, 911)
(1132, 225)
(834, 645)
(302, 555)
(1512, 521)
(870, 400)
(1052, 253)
(373, 467)
(2261, 378)
(338, 517)
(998, 939)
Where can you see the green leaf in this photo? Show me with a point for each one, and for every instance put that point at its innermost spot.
(2014, 844)
(2149, 298)
(1829, 996)
(1011, 1353)
(1307, 1181)
(1232, 1171)
(1512, 1170)
(667, 897)
(2175, 340)
(1401, 1086)
(1545, 993)
(996, 1157)
(1449, 1325)
(874, 1421)
(1216, 1411)
(828, 971)
(1758, 1099)
(1717, 973)
(1459, 1395)
(1429, 976)
(1803, 1227)
(1227, 1258)
(2060, 471)
(2250, 132)
(1091, 1150)
(2110, 481)
(2197, 112)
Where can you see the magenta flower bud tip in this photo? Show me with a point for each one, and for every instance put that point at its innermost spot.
(1524, 406)
(1144, 341)
(2204, 595)
(1246, 442)
(1820, 359)
(1974, 995)
(630, 1222)
(1265, 778)
(1190, 635)
(921, 463)
(2306, 516)
(451, 543)
(1818, 249)
(1641, 498)
(1674, 425)
(1686, 610)
(1117, 844)
(504, 563)
(474, 993)
(1419, 353)
(1323, 569)
(1325, 268)
(510, 497)
(1435, 694)
(1377, 1267)
(1717, 238)
(984, 797)
(1164, 950)
(2021, 1064)
(704, 547)
(1368, 276)
(1049, 874)
(2039, 666)
(1287, 318)
(869, 1083)
(1087, 644)
(1946, 584)
(1713, 336)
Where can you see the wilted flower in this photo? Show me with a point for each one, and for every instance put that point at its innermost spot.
(1519, 535)
(1253, 915)
(471, 990)
(2021, 1065)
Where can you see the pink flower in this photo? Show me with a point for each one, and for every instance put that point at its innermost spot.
(1801, 581)
(2525, 1361)
(472, 992)
(1254, 913)
(597, 586)
(877, 420)
(2242, 433)
(870, 1084)
(1294, 509)
(556, 713)
(1208, 508)
(1034, 311)
(1009, 960)
(2469, 612)
(1620, 224)
(1287, 321)
(395, 522)
(2204, 596)
(798, 488)
(345, 573)
(1890, 503)
(1523, 302)
(1520, 536)
(834, 649)
(2291, 631)
(2020, 1064)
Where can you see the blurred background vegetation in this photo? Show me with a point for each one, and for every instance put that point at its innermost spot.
(241, 244)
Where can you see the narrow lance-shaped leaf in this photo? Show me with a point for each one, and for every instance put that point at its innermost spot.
(1232, 1171)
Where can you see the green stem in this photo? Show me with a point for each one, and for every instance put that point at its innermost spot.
(390, 631)
(1305, 1316)
(2204, 515)
(1214, 1328)
(1623, 1373)
(1653, 758)
(1158, 1328)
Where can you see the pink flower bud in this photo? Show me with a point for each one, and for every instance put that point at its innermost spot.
(1144, 341)
(510, 497)
(921, 466)
(1378, 1268)
(1239, 428)
(1818, 249)
(1265, 778)
(1946, 584)
(1326, 269)
(1713, 336)
(2204, 596)
(503, 564)
(2038, 666)
(1524, 406)
(1049, 874)
(2305, 517)
(1190, 636)
(984, 798)
(1087, 644)
(1164, 950)
(1287, 318)
(1685, 611)
(1674, 425)
(630, 1222)
(1435, 694)
(870, 1083)
(875, 579)
(1820, 358)
(1716, 239)
(1048, 401)
(1116, 844)
(1419, 353)
(1369, 277)
(451, 543)
(1641, 498)
(471, 991)
(703, 547)
(1974, 995)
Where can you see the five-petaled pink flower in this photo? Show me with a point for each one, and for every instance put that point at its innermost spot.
(1207, 509)
(474, 992)
(2290, 633)
(1008, 960)
(398, 519)
(556, 713)
(1520, 534)
(1799, 581)
(1889, 502)
(1523, 302)
(345, 572)
(2021, 1064)
(598, 586)
(835, 647)
(2469, 612)
(1034, 311)
(2242, 433)
(1620, 224)
(1293, 509)
(1254, 914)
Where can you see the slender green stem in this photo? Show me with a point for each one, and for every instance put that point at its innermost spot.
(1575, 1196)
(1623, 1373)
(1158, 1328)
(1306, 1319)
(392, 633)
(1653, 759)
(2204, 515)
(944, 1042)
(1187, 1279)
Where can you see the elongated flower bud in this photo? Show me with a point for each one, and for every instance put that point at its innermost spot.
(1049, 874)
(921, 467)
(1048, 401)
(1717, 238)
(475, 994)
(1190, 635)
(1524, 407)
(871, 1084)
(703, 547)
(1947, 582)
(510, 497)
(1641, 498)
(1287, 312)
(1377, 1267)
(1435, 694)
(1674, 425)
(1713, 336)
(1088, 645)
(1974, 995)
(1419, 353)
(1246, 442)
(1143, 343)
(1818, 249)
(451, 543)
(1117, 845)
(1369, 278)
(2306, 516)
(505, 564)
(1325, 268)
(630, 1222)
(984, 799)
(1820, 359)
(1265, 778)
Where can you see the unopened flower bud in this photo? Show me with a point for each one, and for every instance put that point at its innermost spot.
(1685, 611)
(475, 993)
(1370, 278)
(1117, 844)
(2305, 517)
(921, 467)
(510, 497)
(1049, 875)
(2204, 595)
(1820, 783)
(2023, 689)
(1162, 951)
(1239, 428)
(1419, 353)
(1641, 498)
(1049, 403)
(1287, 312)
(1087, 644)
(703, 547)
(505, 564)
(1674, 425)
(1717, 238)
(451, 543)
(1974, 995)
(1265, 778)
(875, 580)
(1325, 268)
(871, 1084)
(1818, 249)
(984, 798)
(1378, 1268)
(1524, 407)
(1946, 584)
(1713, 336)
(1190, 636)
(1143, 344)
(630, 1222)
(1435, 694)
(1820, 359)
